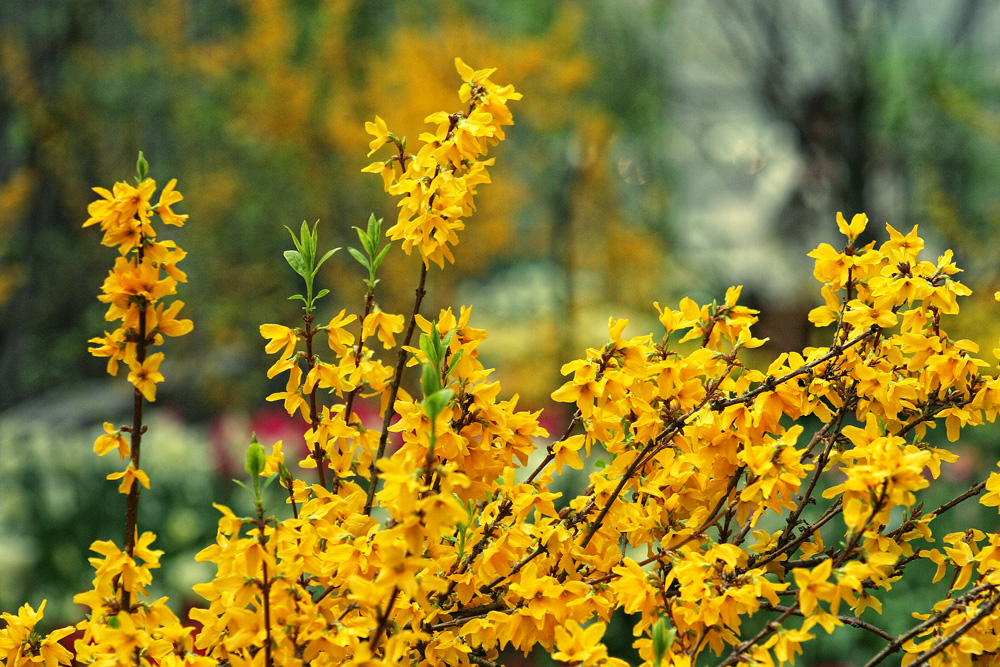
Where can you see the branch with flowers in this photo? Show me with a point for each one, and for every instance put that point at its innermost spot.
(717, 493)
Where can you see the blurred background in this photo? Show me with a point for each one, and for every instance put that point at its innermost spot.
(662, 149)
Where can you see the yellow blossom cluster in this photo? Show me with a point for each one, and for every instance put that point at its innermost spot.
(716, 492)
(142, 276)
(438, 183)
(699, 453)
(144, 633)
(22, 644)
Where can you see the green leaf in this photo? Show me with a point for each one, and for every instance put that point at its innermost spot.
(365, 241)
(427, 347)
(434, 404)
(297, 296)
(243, 485)
(430, 380)
(308, 243)
(356, 254)
(380, 257)
(141, 167)
(323, 259)
(454, 361)
(374, 229)
(295, 239)
(297, 262)
(322, 293)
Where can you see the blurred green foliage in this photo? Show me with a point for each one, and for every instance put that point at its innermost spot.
(258, 109)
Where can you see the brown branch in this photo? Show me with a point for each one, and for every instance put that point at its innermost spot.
(957, 634)
(318, 453)
(383, 620)
(960, 601)
(771, 383)
(517, 567)
(503, 511)
(740, 649)
(974, 490)
(482, 662)
(466, 615)
(369, 300)
(669, 432)
(846, 620)
(790, 547)
(135, 446)
(390, 409)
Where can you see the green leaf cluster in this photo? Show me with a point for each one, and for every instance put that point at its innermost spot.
(372, 258)
(432, 380)
(303, 262)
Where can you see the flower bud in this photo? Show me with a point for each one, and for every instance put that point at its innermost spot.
(255, 457)
(663, 638)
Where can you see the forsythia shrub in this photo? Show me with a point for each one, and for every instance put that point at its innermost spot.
(443, 552)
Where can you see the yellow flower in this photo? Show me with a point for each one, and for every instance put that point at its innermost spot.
(112, 439)
(992, 496)
(144, 376)
(860, 315)
(327, 376)
(113, 346)
(20, 643)
(814, 585)
(166, 322)
(383, 169)
(102, 211)
(129, 477)
(579, 645)
(385, 324)
(786, 643)
(273, 461)
(851, 231)
(378, 130)
(900, 248)
(279, 336)
(337, 337)
(168, 198)
(292, 396)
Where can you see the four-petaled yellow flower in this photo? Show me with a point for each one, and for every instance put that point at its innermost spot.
(378, 130)
(145, 376)
(128, 477)
(112, 439)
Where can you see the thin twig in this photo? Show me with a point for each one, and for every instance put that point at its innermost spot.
(135, 445)
(960, 601)
(318, 453)
(846, 620)
(383, 619)
(390, 409)
(740, 649)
